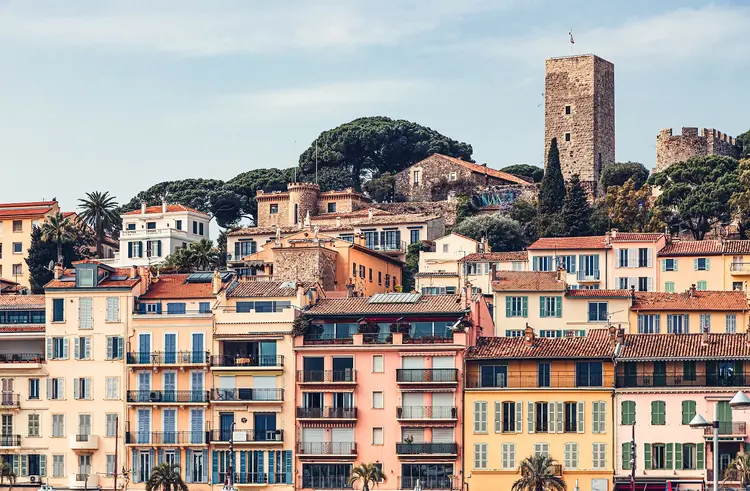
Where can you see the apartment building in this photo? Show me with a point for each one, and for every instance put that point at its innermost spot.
(362, 361)
(16, 222)
(439, 269)
(736, 255)
(686, 264)
(23, 375)
(530, 396)
(633, 260)
(584, 259)
(88, 313)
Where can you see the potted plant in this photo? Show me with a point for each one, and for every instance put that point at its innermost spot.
(300, 325)
(462, 325)
(366, 327)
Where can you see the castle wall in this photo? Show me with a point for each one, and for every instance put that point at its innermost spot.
(672, 149)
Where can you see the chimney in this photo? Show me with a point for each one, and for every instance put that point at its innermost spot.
(143, 207)
(465, 291)
(632, 291)
(338, 221)
(704, 337)
(164, 205)
(216, 283)
(691, 291)
(561, 273)
(369, 213)
(133, 272)
(58, 271)
(145, 274)
(528, 335)
(620, 335)
(612, 336)
(607, 237)
(614, 233)
(300, 293)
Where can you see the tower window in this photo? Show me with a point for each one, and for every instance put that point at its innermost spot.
(567, 137)
(567, 109)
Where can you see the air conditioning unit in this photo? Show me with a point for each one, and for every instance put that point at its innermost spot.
(34, 479)
(154, 396)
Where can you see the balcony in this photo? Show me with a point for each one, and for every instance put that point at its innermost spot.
(322, 339)
(588, 276)
(247, 436)
(245, 478)
(379, 338)
(152, 232)
(728, 430)
(166, 358)
(10, 361)
(427, 375)
(247, 395)
(426, 412)
(739, 269)
(388, 248)
(427, 482)
(428, 340)
(308, 449)
(679, 379)
(10, 400)
(167, 396)
(83, 481)
(237, 361)
(427, 449)
(84, 442)
(165, 438)
(10, 441)
(533, 380)
(326, 413)
(345, 376)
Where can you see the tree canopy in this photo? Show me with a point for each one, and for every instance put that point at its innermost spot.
(525, 170)
(552, 190)
(576, 212)
(503, 233)
(381, 189)
(630, 209)
(619, 173)
(42, 252)
(744, 140)
(99, 211)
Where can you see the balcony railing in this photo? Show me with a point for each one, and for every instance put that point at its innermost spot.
(379, 338)
(246, 478)
(326, 413)
(22, 358)
(315, 339)
(428, 340)
(327, 448)
(168, 358)
(427, 448)
(168, 396)
(727, 428)
(533, 379)
(588, 275)
(325, 482)
(739, 267)
(165, 437)
(426, 482)
(9, 399)
(247, 361)
(239, 436)
(399, 246)
(426, 412)
(679, 379)
(427, 375)
(247, 394)
(10, 440)
(327, 376)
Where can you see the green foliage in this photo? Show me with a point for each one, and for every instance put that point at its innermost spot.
(193, 193)
(534, 173)
(329, 178)
(599, 221)
(166, 477)
(377, 145)
(576, 212)
(744, 140)
(411, 267)
(551, 225)
(538, 474)
(503, 233)
(381, 189)
(41, 253)
(99, 211)
(525, 212)
(552, 190)
(369, 474)
(7, 474)
(619, 173)
(630, 209)
(463, 209)
(444, 187)
(740, 201)
(739, 469)
(698, 191)
(59, 230)
(198, 256)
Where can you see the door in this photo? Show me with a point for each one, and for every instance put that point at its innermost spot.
(343, 369)
(169, 426)
(6, 427)
(196, 386)
(144, 466)
(144, 348)
(265, 426)
(660, 374)
(170, 386)
(6, 387)
(84, 425)
(412, 405)
(198, 348)
(725, 418)
(313, 440)
(312, 402)
(442, 405)
(413, 369)
(143, 417)
(226, 420)
(342, 440)
(264, 388)
(84, 465)
(313, 369)
(196, 426)
(170, 348)
(631, 374)
(144, 386)
(267, 357)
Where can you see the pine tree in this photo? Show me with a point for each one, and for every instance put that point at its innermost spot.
(576, 211)
(41, 253)
(552, 190)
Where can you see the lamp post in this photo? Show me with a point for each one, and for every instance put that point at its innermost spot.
(229, 485)
(739, 402)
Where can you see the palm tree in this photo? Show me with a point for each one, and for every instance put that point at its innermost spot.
(739, 469)
(538, 474)
(203, 255)
(166, 477)
(367, 473)
(6, 472)
(99, 211)
(58, 229)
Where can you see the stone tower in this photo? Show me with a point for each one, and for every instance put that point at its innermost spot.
(579, 110)
(303, 199)
(671, 149)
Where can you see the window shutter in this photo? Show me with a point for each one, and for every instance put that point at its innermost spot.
(525, 306)
(65, 349)
(626, 455)
(650, 284)
(595, 417)
(530, 416)
(50, 351)
(700, 456)
(542, 301)
(650, 257)
(558, 305)
(140, 249)
(507, 306)
(618, 263)
(559, 418)
(550, 417)
(76, 392)
(535, 263)
(158, 248)
(663, 264)
(498, 417)
(77, 348)
(130, 249)
(695, 264)
(271, 469)
(647, 456)
(632, 257)
(579, 423)
(678, 456)
(708, 263)
(158, 308)
(42, 465)
(602, 416)
(657, 323)
(675, 263)
(670, 455)
(49, 388)
(519, 417)
(633, 281)
(87, 383)
(476, 416)
(87, 351)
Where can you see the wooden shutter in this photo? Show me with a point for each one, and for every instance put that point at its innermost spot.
(77, 348)
(525, 306)
(580, 405)
(558, 306)
(507, 305)
(530, 416)
(542, 301)
(498, 417)
(595, 417)
(647, 456)
(626, 455)
(670, 455)
(519, 417)
(700, 456)
(550, 417)
(678, 456)
(560, 418)
(76, 392)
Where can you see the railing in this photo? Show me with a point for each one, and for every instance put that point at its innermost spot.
(740, 267)
(167, 357)
(426, 412)
(727, 428)
(83, 437)
(10, 440)
(325, 482)
(82, 477)
(331, 376)
(426, 448)
(428, 340)
(247, 435)
(245, 478)
(22, 358)
(165, 437)
(165, 312)
(429, 375)
(247, 361)
(314, 339)
(527, 380)
(379, 338)
(388, 246)
(326, 412)
(247, 394)
(167, 396)
(327, 448)
(673, 379)
(425, 482)
(10, 399)
(152, 231)
(588, 275)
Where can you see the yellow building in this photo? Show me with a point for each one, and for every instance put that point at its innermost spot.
(683, 264)
(539, 396)
(736, 265)
(440, 269)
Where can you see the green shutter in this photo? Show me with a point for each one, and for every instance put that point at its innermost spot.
(558, 302)
(670, 455)
(678, 456)
(688, 411)
(654, 412)
(507, 306)
(674, 263)
(542, 301)
(647, 455)
(700, 456)
(626, 455)
(695, 264)
(628, 412)
(525, 306)
(708, 263)
(663, 264)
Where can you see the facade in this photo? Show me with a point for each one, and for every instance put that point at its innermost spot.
(584, 259)
(16, 222)
(478, 270)
(354, 375)
(439, 269)
(540, 396)
(671, 149)
(684, 264)
(633, 260)
(736, 268)
(579, 110)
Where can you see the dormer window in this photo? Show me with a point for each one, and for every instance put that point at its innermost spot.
(85, 278)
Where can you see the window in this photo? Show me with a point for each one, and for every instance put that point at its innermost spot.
(377, 363)
(705, 322)
(112, 388)
(571, 456)
(623, 257)
(153, 248)
(195, 228)
(567, 137)
(354, 270)
(377, 400)
(598, 417)
(514, 333)
(361, 271)
(113, 309)
(452, 176)
(480, 455)
(516, 306)
(413, 236)
(331, 207)
(541, 449)
(669, 264)
(369, 274)
(688, 371)
(387, 280)
(550, 306)
(688, 455)
(34, 424)
(543, 263)
(111, 429)
(58, 425)
(644, 284)
(58, 465)
(85, 278)
(56, 388)
(644, 257)
(627, 412)
(571, 417)
(177, 224)
(517, 265)
(494, 376)
(599, 454)
(58, 310)
(33, 389)
(57, 348)
(17, 269)
(541, 420)
(598, 311)
(589, 374)
(688, 412)
(380, 278)
(702, 286)
(658, 412)
(677, 324)
(731, 323)
(509, 417)
(377, 436)
(17, 248)
(273, 208)
(480, 417)
(702, 264)
(568, 263)
(177, 308)
(17, 225)
(509, 455)
(82, 348)
(543, 375)
(658, 456)
(669, 286)
(110, 464)
(415, 175)
(82, 388)
(85, 313)
(737, 286)
(114, 348)
(204, 307)
(648, 324)
(567, 109)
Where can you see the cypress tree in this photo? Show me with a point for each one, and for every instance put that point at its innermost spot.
(552, 190)
(576, 211)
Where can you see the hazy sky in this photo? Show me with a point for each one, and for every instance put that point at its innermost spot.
(110, 95)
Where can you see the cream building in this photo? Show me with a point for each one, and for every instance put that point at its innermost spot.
(585, 259)
(440, 269)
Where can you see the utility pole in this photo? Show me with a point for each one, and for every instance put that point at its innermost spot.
(632, 460)
(117, 434)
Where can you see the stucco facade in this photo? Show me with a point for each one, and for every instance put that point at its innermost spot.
(586, 260)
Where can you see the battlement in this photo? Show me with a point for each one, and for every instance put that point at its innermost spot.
(298, 186)
(693, 142)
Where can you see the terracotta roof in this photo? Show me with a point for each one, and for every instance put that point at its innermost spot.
(393, 219)
(496, 256)
(590, 242)
(124, 273)
(737, 247)
(348, 214)
(175, 286)
(595, 344)
(636, 237)
(517, 281)
(170, 209)
(12, 328)
(586, 293)
(250, 231)
(20, 210)
(692, 248)
(10, 282)
(700, 300)
(361, 306)
(481, 169)
(684, 346)
(427, 274)
(28, 204)
(9, 302)
(245, 289)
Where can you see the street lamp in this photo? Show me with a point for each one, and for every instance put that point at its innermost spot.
(739, 402)
(229, 485)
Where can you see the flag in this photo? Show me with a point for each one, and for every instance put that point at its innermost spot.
(570, 33)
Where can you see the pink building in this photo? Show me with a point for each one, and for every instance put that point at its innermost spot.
(379, 380)
(633, 259)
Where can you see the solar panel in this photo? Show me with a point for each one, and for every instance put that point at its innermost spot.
(289, 284)
(118, 278)
(200, 278)
(395, 298)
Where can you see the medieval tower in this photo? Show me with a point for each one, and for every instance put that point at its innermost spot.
(579, 110)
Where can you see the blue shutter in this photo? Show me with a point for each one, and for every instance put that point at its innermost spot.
(573, 264)
(140, 249)
(158, 248)
(271, 476)
(160, 457)
(135, 466)
(288, 466)
(215, 468)
(507, 306)
(525, 306)
(535, 264)
(259, 469)
(130, 252)
(189, 465)
(151, 462)
(558, 308)
(158, 308)
(243, 463)
(541, 306)
(236, 250)
(205, 466)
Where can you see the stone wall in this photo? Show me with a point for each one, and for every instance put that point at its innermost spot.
(446, 209)
(265, 218)
(346, 200)
(306, 264)
(303, 197)
(671, 148)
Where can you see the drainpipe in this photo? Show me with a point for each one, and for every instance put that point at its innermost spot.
(463, 422)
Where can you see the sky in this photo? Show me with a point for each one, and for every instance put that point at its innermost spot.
(120, 95)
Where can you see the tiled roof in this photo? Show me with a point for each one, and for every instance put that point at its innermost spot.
(394, 219)
(175, 286)
(8, 302)
(737, 247)
(28, 204)
(481, 169)
(595, 344)
(170, 209)
(124, 273)
(30, 209)
(250, 231)
(598, 293)
(636, 237)
(360, 306)
(699, 300)
(692, 248)
(244, 289)
(13, 328)
(517, 281)
(590, 242)
(684, 347)
(496, 256)
(427, 274)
